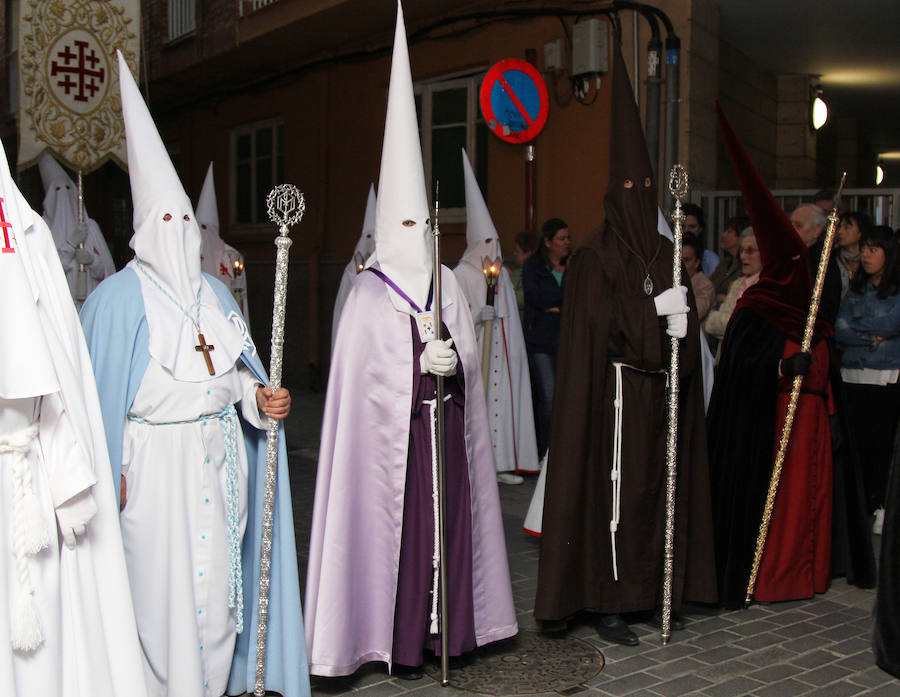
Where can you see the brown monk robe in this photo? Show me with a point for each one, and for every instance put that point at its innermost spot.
(609, 317)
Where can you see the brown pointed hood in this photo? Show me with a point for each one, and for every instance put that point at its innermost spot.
(783, 292)
(630, 212)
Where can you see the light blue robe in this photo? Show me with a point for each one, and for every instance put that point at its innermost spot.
(117, 334)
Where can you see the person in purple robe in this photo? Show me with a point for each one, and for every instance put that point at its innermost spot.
(372, 580)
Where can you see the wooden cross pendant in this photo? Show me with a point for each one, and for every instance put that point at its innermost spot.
(205, 348)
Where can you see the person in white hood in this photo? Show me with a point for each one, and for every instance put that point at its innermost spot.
(508, 386)
(82, 250)
(371, 591)
(185, 407)
(66, 620)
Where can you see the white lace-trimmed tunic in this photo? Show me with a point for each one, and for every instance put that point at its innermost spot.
(35, 672)
(174, 525)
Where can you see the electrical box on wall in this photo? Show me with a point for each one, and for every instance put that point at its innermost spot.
(590, 53)
(553, 56)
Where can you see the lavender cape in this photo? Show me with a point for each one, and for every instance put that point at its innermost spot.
(354, 550)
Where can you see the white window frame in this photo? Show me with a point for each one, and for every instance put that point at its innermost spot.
(182, 19)
(425, 89)
(251, 129)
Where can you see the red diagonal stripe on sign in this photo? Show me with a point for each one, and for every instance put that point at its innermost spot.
(515, 99)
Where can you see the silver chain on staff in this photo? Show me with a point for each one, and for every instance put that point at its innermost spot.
(678, 187)
(286, 206)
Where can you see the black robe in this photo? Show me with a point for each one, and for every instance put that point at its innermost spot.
(607, 317)
(886, 633)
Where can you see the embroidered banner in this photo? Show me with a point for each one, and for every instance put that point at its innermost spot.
(69, 86)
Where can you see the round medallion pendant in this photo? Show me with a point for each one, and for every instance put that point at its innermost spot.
(648, 285)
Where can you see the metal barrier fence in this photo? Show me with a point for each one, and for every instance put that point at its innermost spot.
(882, 205)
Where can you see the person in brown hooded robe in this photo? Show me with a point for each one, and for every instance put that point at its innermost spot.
(604, 525)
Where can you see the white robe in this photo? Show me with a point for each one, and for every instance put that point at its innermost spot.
(36, 672)
(510, 410)
(96, 271)
(174, 527)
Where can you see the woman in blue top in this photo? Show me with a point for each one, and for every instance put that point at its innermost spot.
(542, 275)
(868, 332)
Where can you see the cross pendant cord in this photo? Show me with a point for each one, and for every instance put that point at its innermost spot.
(203, 346)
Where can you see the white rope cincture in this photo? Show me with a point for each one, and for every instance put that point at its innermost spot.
(616, 471)
(29, 536)
(435, 498)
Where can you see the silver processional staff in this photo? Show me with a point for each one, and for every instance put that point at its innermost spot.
(286, 206)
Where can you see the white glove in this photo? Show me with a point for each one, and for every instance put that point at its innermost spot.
(84, 256)
(672, 301)
(73, 516)
(438, 358)
(677, 325)
(487, 313)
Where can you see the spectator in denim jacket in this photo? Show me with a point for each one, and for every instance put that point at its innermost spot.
(868, 331)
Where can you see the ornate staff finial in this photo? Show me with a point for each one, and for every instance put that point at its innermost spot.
(678, 182)
(286, 206)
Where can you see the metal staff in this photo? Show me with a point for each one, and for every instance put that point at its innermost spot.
(805, 347)
(441, 449)
(491, 271)
(678, 186)
(81, 232)
(286, 206)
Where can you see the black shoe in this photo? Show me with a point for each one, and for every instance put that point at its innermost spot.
(676, 621)
(613, 628)
(402, 672)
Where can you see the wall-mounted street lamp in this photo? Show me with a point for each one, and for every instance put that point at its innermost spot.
(818, 109)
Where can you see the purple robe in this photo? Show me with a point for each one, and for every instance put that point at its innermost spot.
(355, 543)
(416, 576)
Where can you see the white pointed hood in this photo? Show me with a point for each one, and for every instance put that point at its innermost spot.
(211, 245)
(26, 368)
(403, 248)
(366, 244)
(166, 244)
(60, 203)
(207, 209)
(479, 226)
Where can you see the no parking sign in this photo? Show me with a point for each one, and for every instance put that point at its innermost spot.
(514, 100)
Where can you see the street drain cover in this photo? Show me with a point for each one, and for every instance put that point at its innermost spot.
(529, 663)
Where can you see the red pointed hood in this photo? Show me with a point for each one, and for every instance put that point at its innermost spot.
(783, 292)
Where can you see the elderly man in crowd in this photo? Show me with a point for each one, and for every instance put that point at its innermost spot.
(809, 221)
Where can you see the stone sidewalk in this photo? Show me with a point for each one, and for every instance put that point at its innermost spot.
(820, 646)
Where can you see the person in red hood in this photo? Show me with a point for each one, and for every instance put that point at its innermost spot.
(760, 357)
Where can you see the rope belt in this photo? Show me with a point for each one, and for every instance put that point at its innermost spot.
(228, 420)
(615, 474)
(435, 498)
(29, 536)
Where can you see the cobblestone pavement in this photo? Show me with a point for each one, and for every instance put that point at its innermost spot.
(820, 646)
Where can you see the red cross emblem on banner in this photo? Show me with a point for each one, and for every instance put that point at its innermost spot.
(83, 66)
(6, 227)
